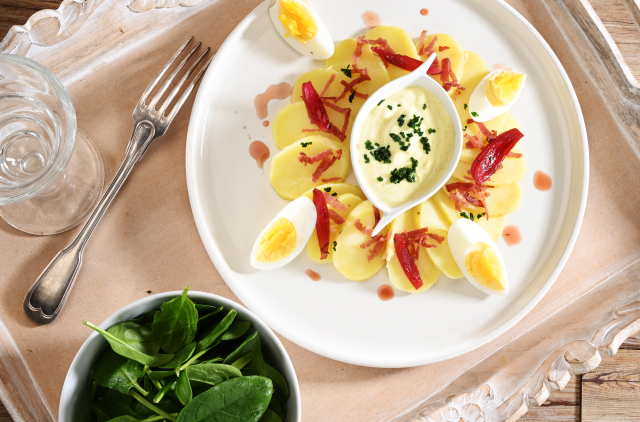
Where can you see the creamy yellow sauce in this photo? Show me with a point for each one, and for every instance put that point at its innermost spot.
(377, 129)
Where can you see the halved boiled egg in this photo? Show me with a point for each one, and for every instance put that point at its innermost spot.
(495, 94)
(301, 27)
(285, 236)
(478, 257)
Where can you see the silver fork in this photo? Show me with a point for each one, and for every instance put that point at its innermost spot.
(48, 294)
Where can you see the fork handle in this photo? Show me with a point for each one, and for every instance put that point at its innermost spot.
(50, 291)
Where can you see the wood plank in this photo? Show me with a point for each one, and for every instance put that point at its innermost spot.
(562, 405)
(612, 392)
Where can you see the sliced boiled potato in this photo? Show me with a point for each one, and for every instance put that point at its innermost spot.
(501, 200)
(428, 215)
(313, 246)
(494, 225)
(512, 171)
(454, 53)
(291, 178)
(342, 57)
(400, 42)
(339, 188)
(428, 272)
(349, 258)
(511, 123)
(290, 124)
(475, 69)
(319, 78)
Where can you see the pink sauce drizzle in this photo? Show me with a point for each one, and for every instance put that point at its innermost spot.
(500, 66)
(260, 152)
(385, 292)
(370, 19)
(279, 91)
(511, 235)
(313, 275)
(424, 12)
(542, 181)
(265, 123)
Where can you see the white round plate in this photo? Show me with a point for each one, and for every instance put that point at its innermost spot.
(232, 199)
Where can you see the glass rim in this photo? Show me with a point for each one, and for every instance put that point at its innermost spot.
(63, 155)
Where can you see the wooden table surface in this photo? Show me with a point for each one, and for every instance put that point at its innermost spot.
(611, 393)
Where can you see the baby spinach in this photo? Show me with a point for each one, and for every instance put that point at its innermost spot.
(213, 370)
(183, 388)
(212, 373)
(176, 324)
(239, 399)
(118, 373)
(133, 341)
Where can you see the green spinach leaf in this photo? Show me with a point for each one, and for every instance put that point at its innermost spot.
(133, 341)
(212, 373)
(250, 345)
(176, 324)
(183, 388)
(279, 384)
(270, 416)
(217, 331)
(239, 399)
(181, 356)
(107, 409)
(118, 373)
(160, 375)
(236, 330)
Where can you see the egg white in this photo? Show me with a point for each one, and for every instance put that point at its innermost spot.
(302, 214)
(463, 235)
(480, 104)
(319, 47)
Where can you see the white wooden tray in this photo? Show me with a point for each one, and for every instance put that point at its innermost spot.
(104, 51)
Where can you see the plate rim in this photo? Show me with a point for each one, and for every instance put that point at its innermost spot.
(221, 264)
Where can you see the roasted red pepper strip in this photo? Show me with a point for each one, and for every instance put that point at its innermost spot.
(488, 161)
(406, 261)
(404, 62)
(315, 109)
(323, 226)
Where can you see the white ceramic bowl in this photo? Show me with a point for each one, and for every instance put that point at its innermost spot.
(75, 391)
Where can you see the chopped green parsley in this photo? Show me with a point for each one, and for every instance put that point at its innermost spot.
(395, 137)
(474, 114)
(465, 106)
(382, 154)
(327, 189)
(347, 71)
(368, 145)
(335, 244)
(464, 215)
(425, 144)
(401, 119)
(366, 159)
(405, 147)
(431, 130)
(405, 173)
(424, 106)
(399, 105)
(402, 134)
(377, 144)
(389, 107)
(381, 101)
(352, 96)
(465, 128)
(305, 144)
(380, 179)
(334, 194)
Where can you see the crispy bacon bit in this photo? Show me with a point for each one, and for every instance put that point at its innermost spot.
(333, 201)
(376, 215)
(357, 94)
(323, 226)
(458, 199)
(315, 108)
(448, 85)
(446, 69)
(443, 48)
(418, 238)
(304, 158)
(461, 195)
(429, 48)
(333, 179)
(355, 58)
(336, 217)
(339, 133)
(486, 132)
(514, 154)
(328, 84)
(309, 130)
(469, 121)
(379, 241)
(398, 60)
(349, 87)
(474, 142)
(487, 162)
(324, 166)
(407, 261)
(423, 39)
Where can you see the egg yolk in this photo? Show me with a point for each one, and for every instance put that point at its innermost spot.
(503, 87)
(297, 19)
(483, 264)
(277, 242)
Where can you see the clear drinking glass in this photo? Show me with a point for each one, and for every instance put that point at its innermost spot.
(51, 174)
